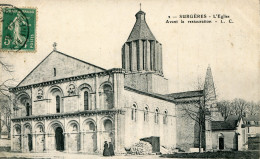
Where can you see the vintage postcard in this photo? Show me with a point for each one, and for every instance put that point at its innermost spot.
(129, 79)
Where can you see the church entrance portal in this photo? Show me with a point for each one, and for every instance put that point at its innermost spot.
(59, 139)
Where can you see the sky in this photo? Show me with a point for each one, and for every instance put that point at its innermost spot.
(95, 31)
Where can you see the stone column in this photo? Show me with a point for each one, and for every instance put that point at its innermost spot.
(145, 55)
(148, 56)
(141, 55)
(66, 146)
(97, 91)
(22, 138)
(123, 57)
(45, 135)
(81, 141)
(33, 142)
(99, 142)
(160, 54)
(155, 55)
(117, 142)
(152, 55)
(127, 57)
(92, 98)
(133, 56)
(44, 144)
(22, 141)
(115, 85)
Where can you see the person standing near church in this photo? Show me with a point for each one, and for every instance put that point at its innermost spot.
(111, 149)
(106, 150)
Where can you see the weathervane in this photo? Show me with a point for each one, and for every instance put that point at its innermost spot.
(140, 6)
(54, 46)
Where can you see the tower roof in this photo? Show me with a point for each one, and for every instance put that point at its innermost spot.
(140, 29)
(209, 79)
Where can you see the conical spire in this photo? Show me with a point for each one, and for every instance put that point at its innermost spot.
(140, 31)
(209, 89)
(210, 96)
(208, 79)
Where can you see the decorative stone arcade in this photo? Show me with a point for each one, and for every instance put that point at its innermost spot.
(72, 132)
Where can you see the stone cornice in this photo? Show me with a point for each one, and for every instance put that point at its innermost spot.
(159, 96)
(65, 115)
(63, 80)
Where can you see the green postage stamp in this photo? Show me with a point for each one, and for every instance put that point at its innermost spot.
(18, 29)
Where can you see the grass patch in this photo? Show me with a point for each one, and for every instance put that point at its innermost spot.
(219, 154)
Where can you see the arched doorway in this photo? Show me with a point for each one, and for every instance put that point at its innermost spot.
(59, 138)
(221, 141)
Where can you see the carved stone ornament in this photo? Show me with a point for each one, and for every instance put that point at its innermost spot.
(71, 90)
(40, 94)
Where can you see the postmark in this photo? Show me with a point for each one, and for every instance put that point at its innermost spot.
(18, 29)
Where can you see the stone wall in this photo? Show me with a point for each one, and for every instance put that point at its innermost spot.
(138, 128)
(188, 129)
(148, 82)
(230, 139)
(82, 133)
(71, 99)
(65, 67)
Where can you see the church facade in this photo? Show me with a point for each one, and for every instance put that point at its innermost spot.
(66, 104)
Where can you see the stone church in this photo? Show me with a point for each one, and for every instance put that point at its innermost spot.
(66, 104)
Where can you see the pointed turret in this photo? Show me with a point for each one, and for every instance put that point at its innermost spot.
(140, 31)
(209, 88)
(142, 52)
(210, 97)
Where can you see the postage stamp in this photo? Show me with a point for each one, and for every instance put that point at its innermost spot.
(18, 29)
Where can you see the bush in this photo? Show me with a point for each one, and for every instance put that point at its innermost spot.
(219, 154)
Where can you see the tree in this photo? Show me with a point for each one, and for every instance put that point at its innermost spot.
(195, 110)
(5, 99)
(5, 107)
(253, 108)
(238, 107)
(225, 108)
(198, 108)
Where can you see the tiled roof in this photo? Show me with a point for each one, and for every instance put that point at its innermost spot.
(141, 30)
(187, 94)
(222, 125)
(229, 124)
(251, 118)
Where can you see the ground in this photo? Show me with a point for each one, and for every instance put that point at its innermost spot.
(62, 155)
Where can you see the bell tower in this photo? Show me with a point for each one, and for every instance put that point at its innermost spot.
(142, 59)
(142, 52)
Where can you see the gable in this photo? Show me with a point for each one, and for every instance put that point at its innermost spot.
(65, 66)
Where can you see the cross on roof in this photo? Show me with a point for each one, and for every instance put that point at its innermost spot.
(54, 46)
